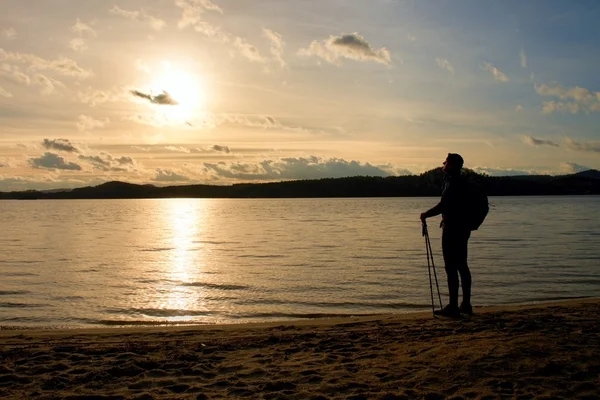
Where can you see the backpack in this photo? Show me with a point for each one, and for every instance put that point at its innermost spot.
(477, 206)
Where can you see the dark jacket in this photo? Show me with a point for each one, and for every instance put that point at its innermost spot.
(453, 204)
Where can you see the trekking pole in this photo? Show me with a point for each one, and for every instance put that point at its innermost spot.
(430, 265)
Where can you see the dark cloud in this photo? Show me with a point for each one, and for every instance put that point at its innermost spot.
(221, 149)
(162, 99)
(60, 145)
(166, 175)
(593, 147)
(294, 168)
(108, 163)
(53, 161)
(352, 46)
(538, 142)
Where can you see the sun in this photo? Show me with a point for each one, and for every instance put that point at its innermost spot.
(187, 90)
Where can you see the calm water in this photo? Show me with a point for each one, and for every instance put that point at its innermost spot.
(125, 262)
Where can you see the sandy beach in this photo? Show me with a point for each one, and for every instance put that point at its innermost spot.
(545, 351)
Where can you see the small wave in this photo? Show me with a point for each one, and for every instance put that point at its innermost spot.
(218, 286)
(261, 256)
(109, 322)
(375, 257)
(213, 242)
(299, 315)
(17, 274)
(158, 249)
(12, 292)
(163, 312)
(21, 305)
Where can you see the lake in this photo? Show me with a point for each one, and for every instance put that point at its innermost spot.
(82, 263)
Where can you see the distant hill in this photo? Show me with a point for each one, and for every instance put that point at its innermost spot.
(426, 184)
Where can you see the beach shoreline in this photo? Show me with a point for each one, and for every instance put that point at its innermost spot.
(546, 350)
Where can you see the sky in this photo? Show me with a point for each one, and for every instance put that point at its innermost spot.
(173, 92)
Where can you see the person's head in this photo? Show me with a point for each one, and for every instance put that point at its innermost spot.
(453, 163)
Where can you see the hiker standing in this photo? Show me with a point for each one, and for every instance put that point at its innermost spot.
(456, 231)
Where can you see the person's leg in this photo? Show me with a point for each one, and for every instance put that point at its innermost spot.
(463, 266)
(449, 250)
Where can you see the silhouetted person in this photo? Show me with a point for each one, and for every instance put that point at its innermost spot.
(455, 236)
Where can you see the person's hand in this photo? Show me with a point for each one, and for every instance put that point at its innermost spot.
(423, 217)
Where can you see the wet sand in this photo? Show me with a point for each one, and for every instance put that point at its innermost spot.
(546, 351)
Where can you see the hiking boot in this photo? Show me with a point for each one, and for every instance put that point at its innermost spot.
(448, 311)
(466, 308)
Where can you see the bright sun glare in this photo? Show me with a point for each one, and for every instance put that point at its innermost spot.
(186, 89)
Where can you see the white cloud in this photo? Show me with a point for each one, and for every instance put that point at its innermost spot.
(83, 29)
(94, 97)
(445, 64)
(498, 75)
(77, 44)
(247, 50)
(166, 175)
(192, 11)
(530, 140)
(43, 81)
(411, 38)
(277, 45)
(9, 33)
(519, 108)
(350, 46)
(86, 123)
(5, 93)
(293, 168)
(14, 73)
(212, 149)
(572, 168)
(53, 161)
(523, 58)
(156, 23)
(505, 171)
(63, 66)
(573, 100)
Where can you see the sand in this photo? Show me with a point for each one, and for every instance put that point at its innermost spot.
(548, 351)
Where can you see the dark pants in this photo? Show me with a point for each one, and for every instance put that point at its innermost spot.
(454, 247)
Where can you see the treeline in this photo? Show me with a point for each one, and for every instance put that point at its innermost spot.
(426, 184)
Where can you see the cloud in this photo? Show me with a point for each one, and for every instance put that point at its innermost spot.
(53, 161)
(86, 123)
(523, 58)
(9, 33)
(498, 75)
(108, 163)
(247, 50)
(192, 11)
(277, 44)
(60, 145)
(63, 66)
(156, 23)
(83, 29)
(411, 38)
(593, 147)
(94, 97)
(212, 149)
(504, 171)
(77, 44)
(5, 93)
(222, 149)
(572, 168)
(350, 46)
(530, 140)
(293, 168)
(161, 99)
(573, 100)
(166, 175)
(43, 81)
(445, 64)
(14, 73)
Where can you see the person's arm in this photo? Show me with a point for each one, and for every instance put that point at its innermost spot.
(437, 209)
